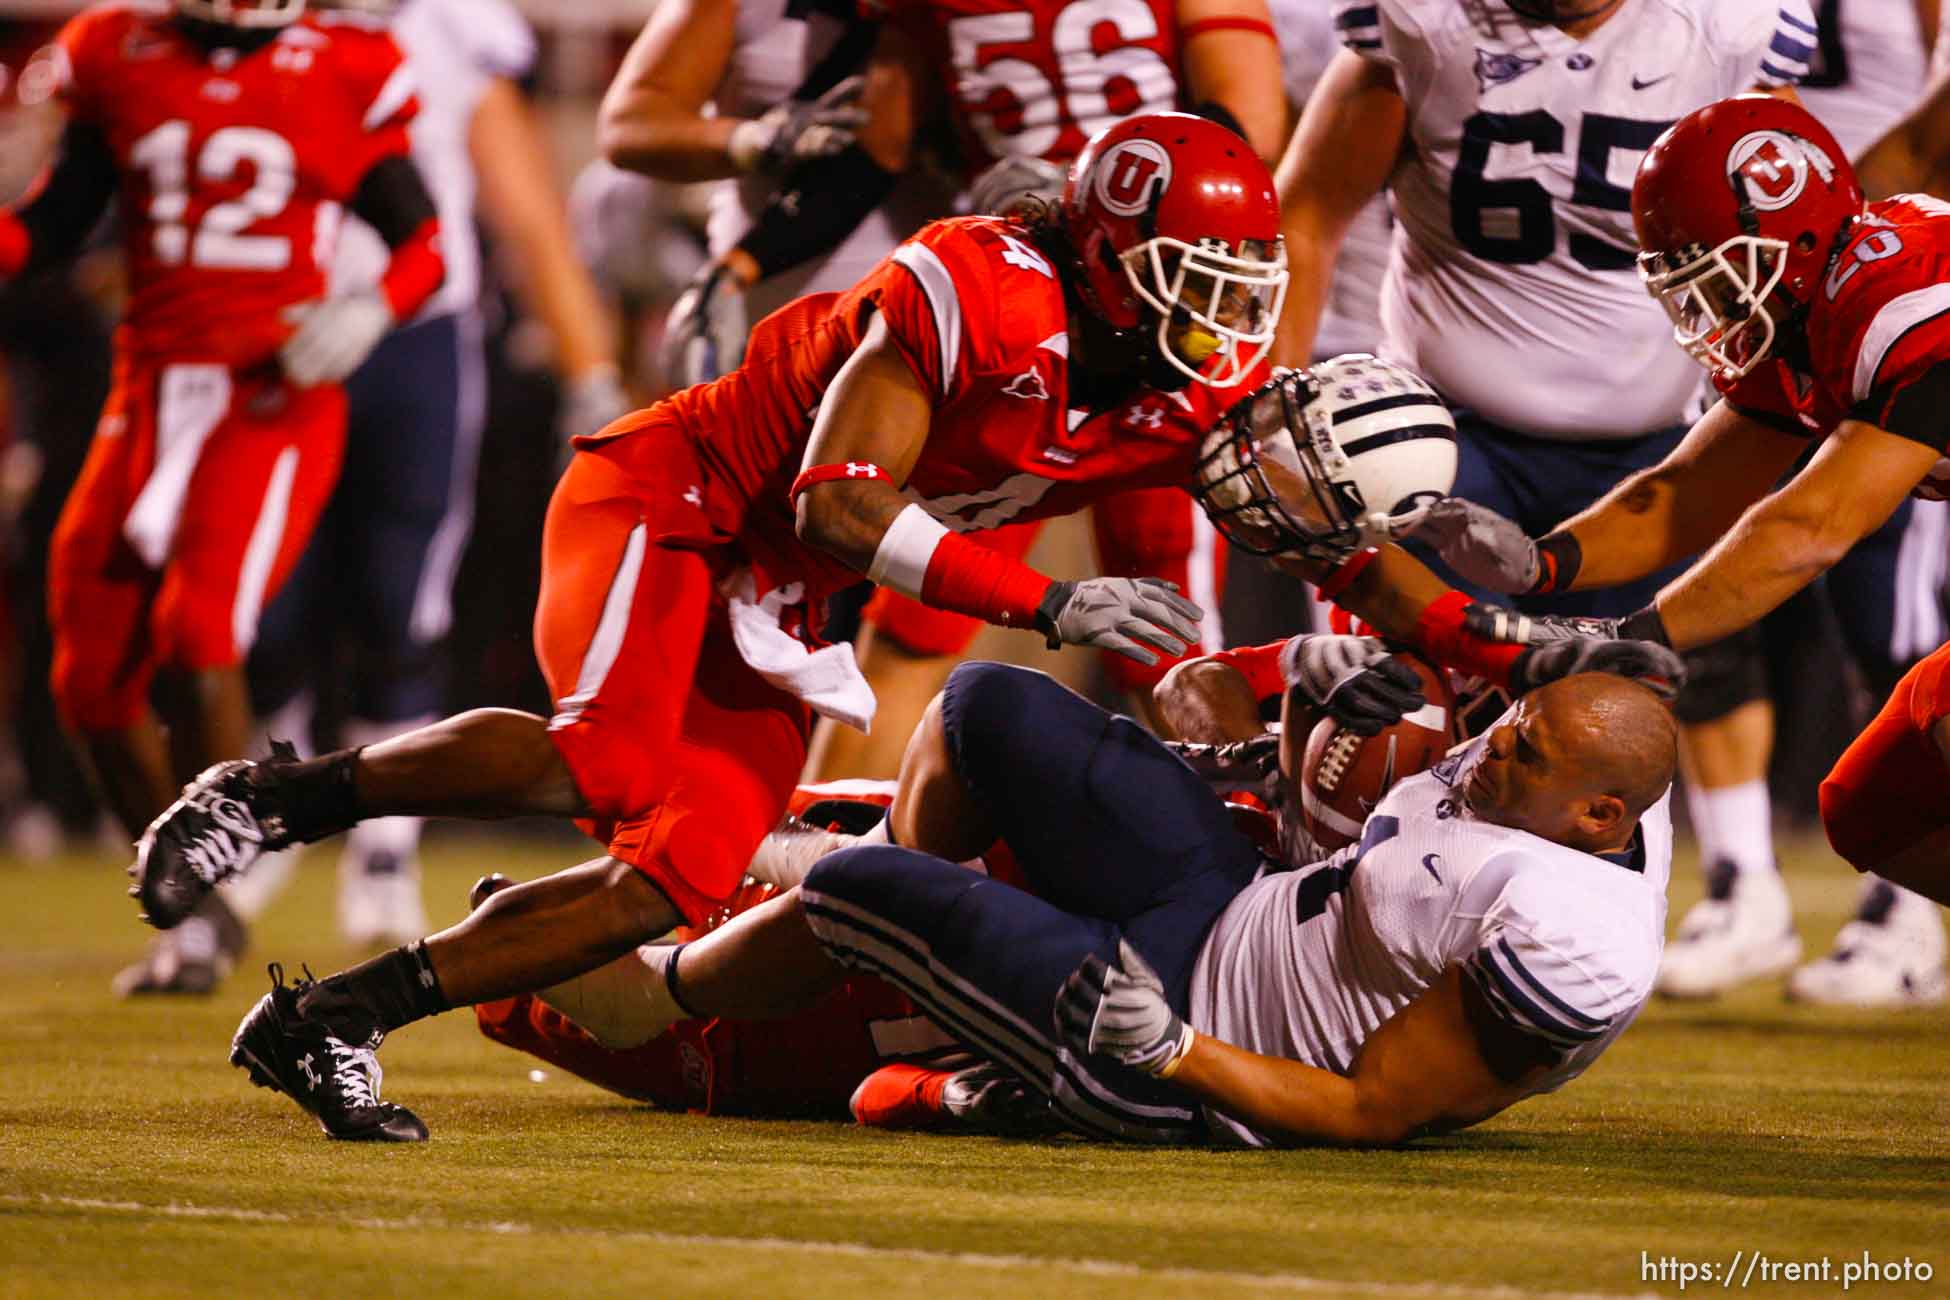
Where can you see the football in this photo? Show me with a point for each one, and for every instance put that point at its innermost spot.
(1345, 774)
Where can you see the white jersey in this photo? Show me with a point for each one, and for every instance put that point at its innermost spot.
(456, 48)
(1350, 321)
(1306, 964)
(1868, 68)
(1512, 286)
(775, 48)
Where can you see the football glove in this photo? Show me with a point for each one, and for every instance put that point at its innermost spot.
(1241, 765)
(704, 335)
(1561, 646)
(333, 336)
(1120, 1012)
(1008, 183)
(1354, 679)
(799, 130)
(1482, 546)
(590, 401)
(1119, 614)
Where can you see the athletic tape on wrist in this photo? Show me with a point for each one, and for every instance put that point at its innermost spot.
(901, 560)
(860, 471)
(1184, 1049)
(1343, 577)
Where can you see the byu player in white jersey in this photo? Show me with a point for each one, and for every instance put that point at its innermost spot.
(1498, 927)
(380, 568)
(1868, 70)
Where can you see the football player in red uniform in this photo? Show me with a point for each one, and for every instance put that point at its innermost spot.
(1818, 316)
(231, 132)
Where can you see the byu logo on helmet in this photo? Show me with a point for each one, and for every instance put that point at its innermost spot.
(1126, 176)
(1775, 166)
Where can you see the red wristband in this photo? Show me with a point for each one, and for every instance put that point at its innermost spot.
(1228, 23)
(968, 578)
(15, 244)
(414, 272)
(864, 471)
(1440, 634)
(1342, 578)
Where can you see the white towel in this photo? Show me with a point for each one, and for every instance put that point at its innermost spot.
(190, 404)
(828, 679)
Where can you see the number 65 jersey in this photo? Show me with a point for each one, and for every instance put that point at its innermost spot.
(232, 167)
(1512, 286)
(1563, 945)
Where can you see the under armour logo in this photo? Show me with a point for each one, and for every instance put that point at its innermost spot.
(694, 495)
(858, 469)
(1146, 417)
(1028, 385)
(311, 1075)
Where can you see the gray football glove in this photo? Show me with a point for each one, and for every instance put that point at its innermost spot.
(1119, 614)
(591, 401)
(704, 335)
(1481, 545)
(1561, 646)
(1354, 679)
(799, 130)
(1120, 1012)
(998, 190)
(333, 336)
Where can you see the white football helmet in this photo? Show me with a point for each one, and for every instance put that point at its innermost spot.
(255, 15)
(1322, 462)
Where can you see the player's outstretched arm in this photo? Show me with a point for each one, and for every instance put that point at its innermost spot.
(1851, 487)
(1440, 1063)
(1232, 58)
(652, 116)
(1339, 158)
(62, 209)
(523, 205)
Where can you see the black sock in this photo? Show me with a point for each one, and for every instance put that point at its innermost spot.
(311, 799)
(364, 1004)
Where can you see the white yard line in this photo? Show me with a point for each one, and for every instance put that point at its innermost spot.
(1275, 1282)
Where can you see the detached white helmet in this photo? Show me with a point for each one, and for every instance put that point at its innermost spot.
(1325, 461)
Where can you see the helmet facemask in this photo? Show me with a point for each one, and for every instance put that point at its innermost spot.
(1264, 492)
(1211, 301)
(1717, 300)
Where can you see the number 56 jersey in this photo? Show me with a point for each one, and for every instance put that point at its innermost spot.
(232, 167)
(1512, 286)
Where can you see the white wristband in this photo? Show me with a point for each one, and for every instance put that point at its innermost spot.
(901, 560)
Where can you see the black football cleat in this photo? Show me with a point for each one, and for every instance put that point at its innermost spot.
(336, 1081)
(191, 959)
(216, 830)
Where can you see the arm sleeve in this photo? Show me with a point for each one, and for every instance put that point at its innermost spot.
(65, 206)
(1358, 23)
(1914, 404)
(382, 99)
(817, 205)
(1544, 977)
(1259, 665)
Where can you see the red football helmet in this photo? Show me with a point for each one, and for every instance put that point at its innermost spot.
(1739, 201)
(254, 15)
(1174, 213)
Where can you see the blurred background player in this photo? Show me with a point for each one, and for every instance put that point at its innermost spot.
(1867, 70)
(1507, 133)
(232, 132)
(370, 605)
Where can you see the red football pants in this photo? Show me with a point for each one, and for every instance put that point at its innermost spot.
(197, 497)
(685, 755)
(1891, 788)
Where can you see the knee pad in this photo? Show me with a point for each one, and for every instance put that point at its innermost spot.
(1723, 676)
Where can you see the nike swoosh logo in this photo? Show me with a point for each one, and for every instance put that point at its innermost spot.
(1641, 85)
(1428, 864)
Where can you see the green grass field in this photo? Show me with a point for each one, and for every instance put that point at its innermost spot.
(134, 1161)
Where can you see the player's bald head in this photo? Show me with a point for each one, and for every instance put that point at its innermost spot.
(1620, 735)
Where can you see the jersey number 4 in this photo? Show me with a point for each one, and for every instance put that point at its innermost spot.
(218, 241)
(1532, 236)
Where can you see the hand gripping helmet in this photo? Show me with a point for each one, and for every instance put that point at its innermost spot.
(1740, 200)
(1173, 219)
(1324, 461)
(251, 15)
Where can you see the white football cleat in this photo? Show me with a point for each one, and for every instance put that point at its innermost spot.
(1742, 930)
(1890, 955)
(379, 899)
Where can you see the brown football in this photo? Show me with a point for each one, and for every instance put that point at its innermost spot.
(1344, 774)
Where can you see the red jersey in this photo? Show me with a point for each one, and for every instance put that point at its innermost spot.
(1037, 79)
(979, 314)
(1879, 325)
(232, 166)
